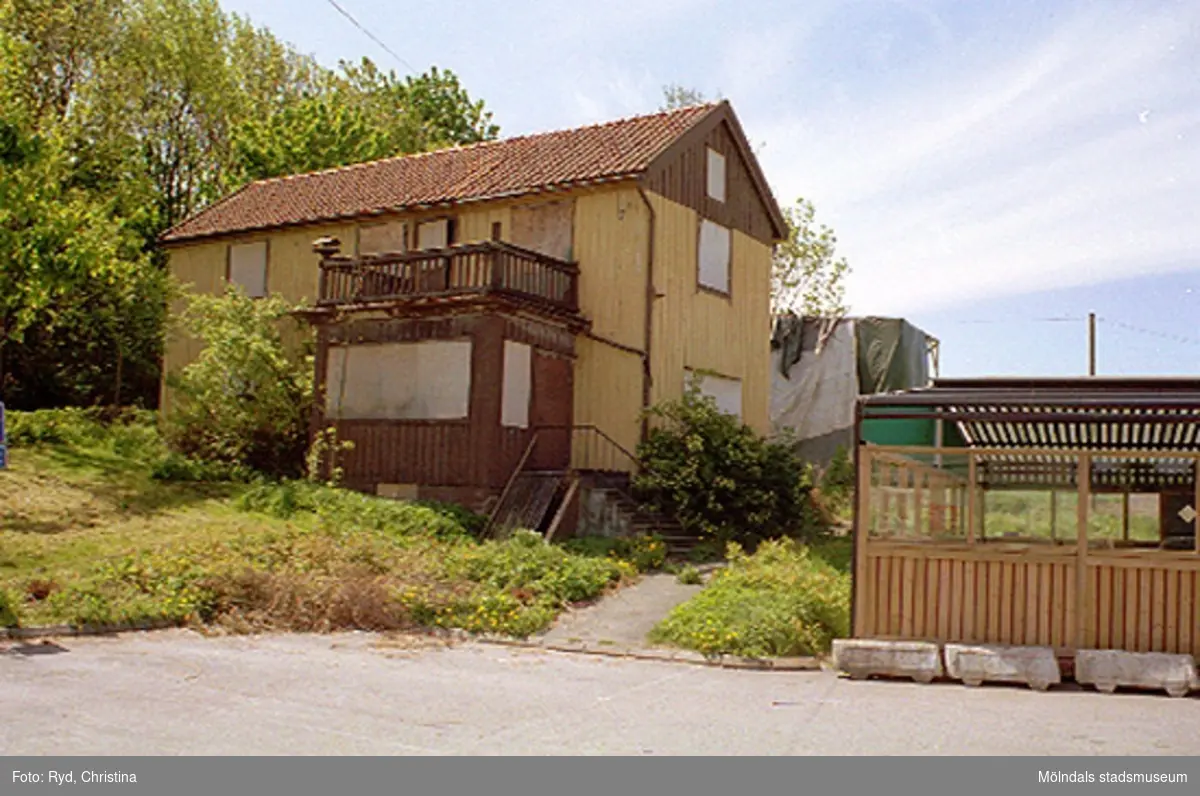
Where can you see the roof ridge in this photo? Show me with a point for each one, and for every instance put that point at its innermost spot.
(484, 144)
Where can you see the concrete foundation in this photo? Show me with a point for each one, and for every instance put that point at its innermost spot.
(974, 664)
(861, 658)
(1109, 669)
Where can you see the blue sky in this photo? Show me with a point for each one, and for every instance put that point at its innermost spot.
(986, 165)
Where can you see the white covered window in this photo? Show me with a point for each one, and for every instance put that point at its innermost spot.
(433, 234)
(389, 236)
(716, 175)
(429, 380)
(248, 267)
(518, 384)
(727, 393)
(714, 256)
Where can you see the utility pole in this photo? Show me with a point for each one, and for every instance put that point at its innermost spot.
(1091, 344)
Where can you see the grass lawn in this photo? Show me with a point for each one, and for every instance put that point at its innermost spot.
(786, 599)
(88, 535)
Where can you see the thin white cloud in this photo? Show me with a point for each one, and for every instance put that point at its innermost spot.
(992, 173)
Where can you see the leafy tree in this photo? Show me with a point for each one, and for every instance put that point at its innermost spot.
(677, 96)
(314, 133)
(121, 118)
(807, 277)
(52, 49)
(56, 242)
(246, 400)
(719, 478)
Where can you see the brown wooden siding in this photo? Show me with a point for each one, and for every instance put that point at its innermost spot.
(549, 338)
(407, 452)
(950, 593)
(1139, 601)
(401, 330)
(681, 175)
(552, 411)
(1144, 603)
(477, 452)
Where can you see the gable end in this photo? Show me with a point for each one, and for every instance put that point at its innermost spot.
(680, 174)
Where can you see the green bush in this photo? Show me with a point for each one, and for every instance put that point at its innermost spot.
(706, 551)
(689, 576)
(471, 522)
(346, 510)
(720, 478)
(779, 602)
(8, 613)
(521, 583)
(526, 563)
(246, 400)
(837, 483)
(644, 552)
(177, 467)
(126, 433)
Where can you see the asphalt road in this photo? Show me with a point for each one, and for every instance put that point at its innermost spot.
(178, 693)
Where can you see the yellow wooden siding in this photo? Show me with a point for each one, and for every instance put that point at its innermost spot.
(700, 330)
(610, 244)
(692, 328)
(608, 393)
(475, 225)
(611, 248)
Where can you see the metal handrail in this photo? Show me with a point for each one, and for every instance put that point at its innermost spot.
(600, 434)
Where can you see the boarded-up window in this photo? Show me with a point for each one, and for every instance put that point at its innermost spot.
(518, 384)
(714, 256)
(378, 238)
(716, 175)
(433, 234)
(248, 267)
(727, 393)
(400, 381)
(544, 228)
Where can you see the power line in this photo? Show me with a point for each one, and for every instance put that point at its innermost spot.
(1163, 335)
(1063, 319)
(372, 36)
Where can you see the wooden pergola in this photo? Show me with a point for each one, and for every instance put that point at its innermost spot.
(934, 463)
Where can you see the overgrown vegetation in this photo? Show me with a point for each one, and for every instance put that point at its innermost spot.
(245, 401)
(644, 552)
(689, 576)
(720, 478)
(784, 600)
(836, 486)
(8, 616)
(120, 118)
(88, 535)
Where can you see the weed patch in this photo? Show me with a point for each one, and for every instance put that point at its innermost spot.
(781, 601)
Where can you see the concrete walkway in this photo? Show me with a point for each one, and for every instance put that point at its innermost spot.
(621, 621)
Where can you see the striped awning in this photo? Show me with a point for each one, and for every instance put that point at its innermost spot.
(1038, 418)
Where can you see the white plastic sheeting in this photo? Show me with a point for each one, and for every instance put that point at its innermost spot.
(817, 397)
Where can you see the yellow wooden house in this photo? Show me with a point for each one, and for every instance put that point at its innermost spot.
(512, 305)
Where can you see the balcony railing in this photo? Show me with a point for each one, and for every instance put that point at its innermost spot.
(490, 267)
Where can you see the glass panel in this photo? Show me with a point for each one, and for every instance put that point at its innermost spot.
(918, 497)
(1029, 515)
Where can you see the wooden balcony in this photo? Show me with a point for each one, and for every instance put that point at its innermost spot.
(490, 268)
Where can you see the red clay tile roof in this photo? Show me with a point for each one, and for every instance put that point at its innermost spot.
(488, 170)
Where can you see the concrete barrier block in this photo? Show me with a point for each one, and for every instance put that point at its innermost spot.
(1109, 669)
(861, 658)
(976, 664)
